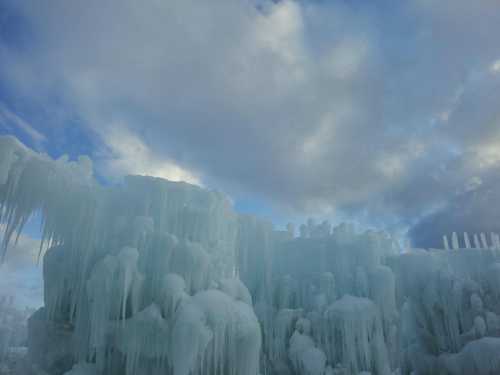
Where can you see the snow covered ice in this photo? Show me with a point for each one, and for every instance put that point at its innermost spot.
(152, 277)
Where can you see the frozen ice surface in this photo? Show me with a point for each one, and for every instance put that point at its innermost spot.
(152, 277)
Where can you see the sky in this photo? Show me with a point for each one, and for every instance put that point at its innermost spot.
(381, 112)
(21, 275)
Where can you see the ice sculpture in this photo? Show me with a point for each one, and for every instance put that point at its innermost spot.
(152, 277)
(451, 311)
(141, 276)
(332, 300)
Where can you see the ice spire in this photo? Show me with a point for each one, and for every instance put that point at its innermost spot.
(454, 241)
(484, 242)
(477, 245)
(445, 243)
(466, 240)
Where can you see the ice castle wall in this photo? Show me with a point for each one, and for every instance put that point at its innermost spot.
(156, 277)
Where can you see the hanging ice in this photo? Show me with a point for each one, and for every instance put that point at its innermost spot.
(152, 277)
(353, 336)
(141, 274)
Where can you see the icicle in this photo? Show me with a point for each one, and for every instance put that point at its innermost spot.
(360, 346)
(479, 357)
(467, 241)
(477, 245)
(150, 272)
(223, 331)
(305, 357)
(109, 289)
(493, 239)
(281, 328)
(144, 336)
(497, 240)
(454, 241)
(484, 243)
(383, 292)
(445, 243)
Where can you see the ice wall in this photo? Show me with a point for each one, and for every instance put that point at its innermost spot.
(450, 310)
(140, 278)
(152, 277)
(331, 306)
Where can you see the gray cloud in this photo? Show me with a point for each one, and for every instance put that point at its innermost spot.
(387, 110)
(474, 211)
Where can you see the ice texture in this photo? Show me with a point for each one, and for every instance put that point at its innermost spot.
(451, 305)
(144, 274)
(13, 327)
(152, 277)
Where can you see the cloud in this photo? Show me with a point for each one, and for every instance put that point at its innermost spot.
(495, 67)
(9, 119)
(127, 155)
(473, 211)
(385, 111)
(20, 273)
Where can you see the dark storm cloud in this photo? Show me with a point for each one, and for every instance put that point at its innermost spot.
(389, 111)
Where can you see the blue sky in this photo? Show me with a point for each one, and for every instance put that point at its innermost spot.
(385, 113)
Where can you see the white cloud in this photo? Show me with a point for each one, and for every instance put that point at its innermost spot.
(9, 118)
(21, 274)
(346, 59)
(281, 30)
(495, 67)
(308, 104)
(128, 154)
(487, 155)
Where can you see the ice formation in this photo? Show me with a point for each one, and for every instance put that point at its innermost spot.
(13, 334)
(13, 326)
(331, 300)
(152, 277)
(142, 274)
